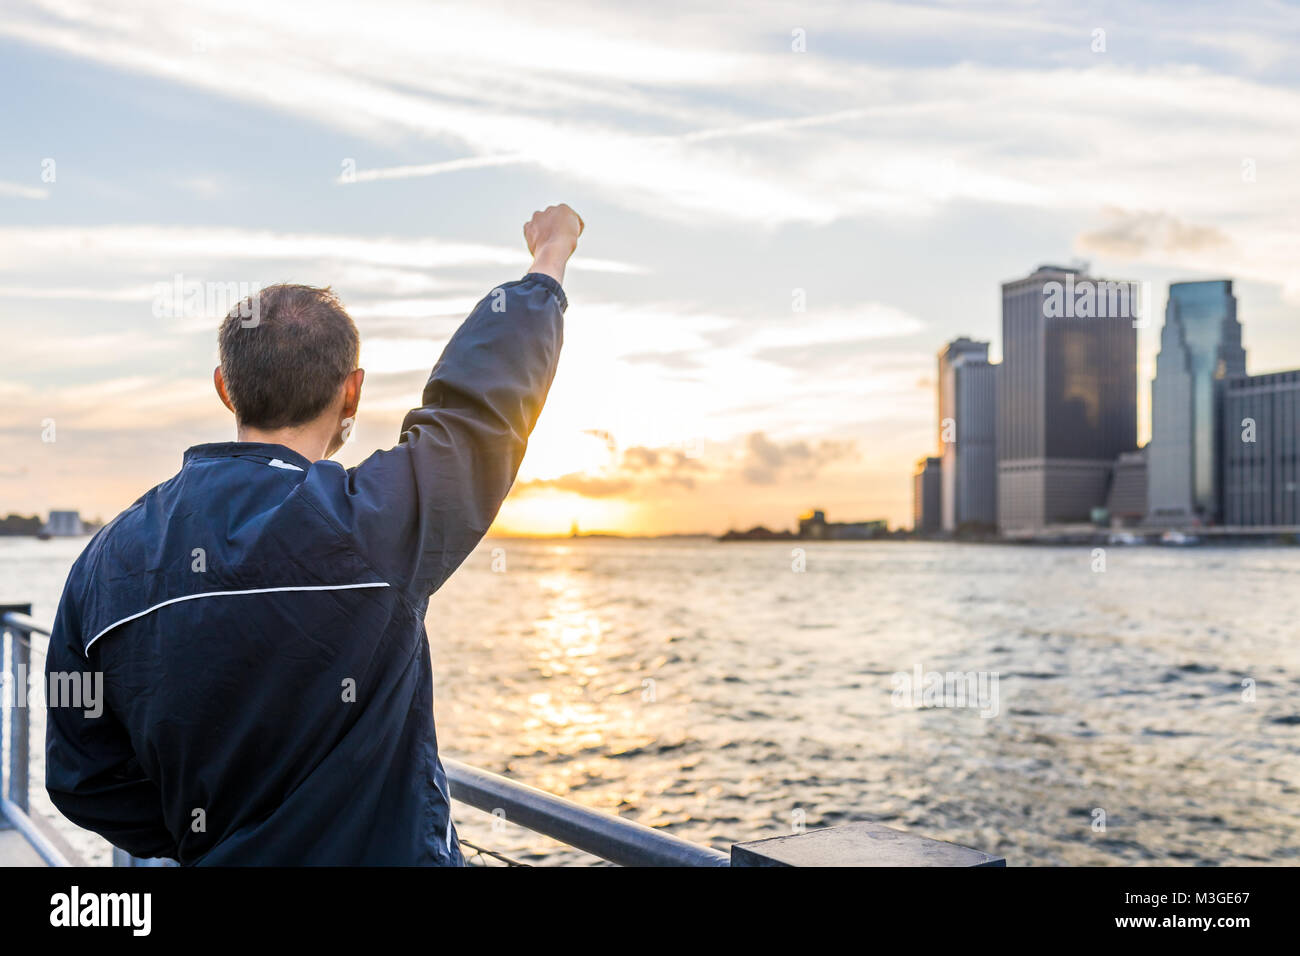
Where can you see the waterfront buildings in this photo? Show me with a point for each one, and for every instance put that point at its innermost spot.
(967, 435)
(1200, 347)
(1066, 395)
(1225, 445)
(814, 526)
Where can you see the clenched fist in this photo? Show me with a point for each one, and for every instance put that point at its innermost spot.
(552, 236)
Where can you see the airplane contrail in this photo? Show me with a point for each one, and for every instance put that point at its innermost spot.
(509, 159)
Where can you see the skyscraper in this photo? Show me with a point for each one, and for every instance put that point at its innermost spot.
(967, 435)
(926, 496)
(1200, 346)
(1261, 450)
(1067, 395)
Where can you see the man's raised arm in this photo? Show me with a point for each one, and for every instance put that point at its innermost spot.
(418, 509)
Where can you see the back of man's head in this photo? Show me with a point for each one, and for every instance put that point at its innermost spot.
(285, 365)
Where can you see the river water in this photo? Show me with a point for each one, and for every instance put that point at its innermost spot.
(1144, 713)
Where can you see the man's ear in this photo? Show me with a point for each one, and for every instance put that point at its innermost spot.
(352, 392)
(220, 384)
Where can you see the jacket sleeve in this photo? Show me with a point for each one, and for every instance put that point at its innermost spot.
(417, 510)
(91, 771)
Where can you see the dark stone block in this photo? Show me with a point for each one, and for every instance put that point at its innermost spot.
(858, 844)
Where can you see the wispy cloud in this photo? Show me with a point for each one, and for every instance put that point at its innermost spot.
(682, 119)
(135, 245)
(763, 127)
(21, 191)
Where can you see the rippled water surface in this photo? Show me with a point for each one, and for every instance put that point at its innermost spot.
(712, 690)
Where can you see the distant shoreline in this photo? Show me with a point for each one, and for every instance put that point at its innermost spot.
(1102, 538)
(1076, 539)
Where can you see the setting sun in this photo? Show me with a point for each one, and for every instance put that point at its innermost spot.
(558, 448)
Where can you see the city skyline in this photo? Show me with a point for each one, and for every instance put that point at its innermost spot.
(1062, 409)
(785, 219)
(953, 358)
(1200, 338)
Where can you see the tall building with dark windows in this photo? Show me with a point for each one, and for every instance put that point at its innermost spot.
(1200, 347)
(1066, 395)
(1260, 443)
(967, 435)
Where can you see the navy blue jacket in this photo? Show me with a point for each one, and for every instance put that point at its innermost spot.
(259, 623)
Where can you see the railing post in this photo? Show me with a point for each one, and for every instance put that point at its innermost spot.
(858, 844)
(20, 665)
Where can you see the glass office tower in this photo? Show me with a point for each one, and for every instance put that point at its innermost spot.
(1200, 346)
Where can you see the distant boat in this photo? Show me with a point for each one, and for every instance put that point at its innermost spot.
(1178, 539)
(1124, 537)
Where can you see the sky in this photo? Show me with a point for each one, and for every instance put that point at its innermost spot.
(789, 208)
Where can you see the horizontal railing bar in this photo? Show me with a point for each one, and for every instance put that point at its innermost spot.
(38, 840)
(23, 623)
(601, 834)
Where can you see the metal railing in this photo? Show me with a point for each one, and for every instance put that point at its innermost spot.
(15, 806)
(603, 835)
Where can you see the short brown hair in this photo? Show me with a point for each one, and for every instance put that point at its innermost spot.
(284, 356)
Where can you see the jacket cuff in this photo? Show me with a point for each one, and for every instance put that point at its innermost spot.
(549, 283)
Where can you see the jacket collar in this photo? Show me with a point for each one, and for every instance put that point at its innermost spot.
(259, 451)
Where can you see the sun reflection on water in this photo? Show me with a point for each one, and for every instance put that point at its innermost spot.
(695, 687)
